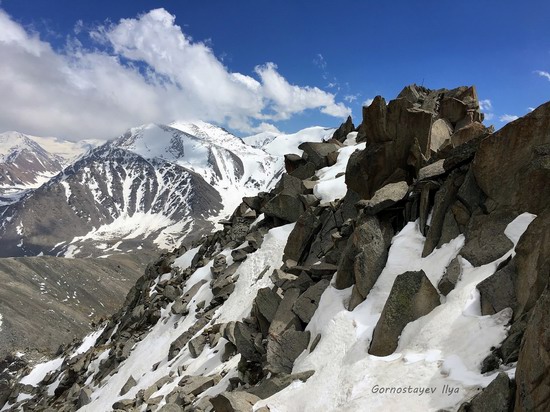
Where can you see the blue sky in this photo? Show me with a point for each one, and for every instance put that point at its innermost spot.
(76, 70)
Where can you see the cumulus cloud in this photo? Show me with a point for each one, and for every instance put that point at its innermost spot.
(506, 118)
(141, 70)
(543, 74)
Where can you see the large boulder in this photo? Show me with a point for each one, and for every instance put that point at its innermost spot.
(533, 368)
(286, 204)
(411, 297)
(533, 263)
(485, 238)
(496, 397)
(307, 303)
(441, 133)
(317, 153)
(512, 166)
(237, 401)
(498, 290)
(364, 257)
(384, 197)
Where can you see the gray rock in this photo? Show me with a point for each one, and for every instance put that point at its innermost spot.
(195, 385)
(275, 384)
(317, 153)
(237, 401)
(170, 292)
(293, 162)
(432, 170)
(284, 317)
(196, 345)
(469, 132)
(171, 407)
(496, 397)
(282, 350)
(511, 166)
(179, 307)
(498, 290)
(239, 255)
(533, 368)
(452, 274)
(384, 197)
(444, 197)
(533, 263)
(307, 303)
(440, 134)
(130, 383)
(124, 404)
(485, 238)
(453, 109)
(345, 128)
(305, 171)
(411, 297)
(240, 335)
(322, 270)
(285, 207)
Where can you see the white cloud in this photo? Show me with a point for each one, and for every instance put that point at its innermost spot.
(485, 105)
(506, 118)
(350, 98)
(146, 70)
(543, 74)
(488, 116)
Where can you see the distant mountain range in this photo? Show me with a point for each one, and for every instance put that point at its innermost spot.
(145, 190)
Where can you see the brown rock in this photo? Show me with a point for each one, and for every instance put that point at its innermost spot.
(512, 166)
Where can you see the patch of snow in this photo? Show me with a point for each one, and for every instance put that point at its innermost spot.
(40, 371)
(88, 342)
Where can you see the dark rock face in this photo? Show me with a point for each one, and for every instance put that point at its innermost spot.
(364, 257)
(485, 238)
(317, 153)
(412, 296)
(495, 398)
(498, 290)
(533, 369)
(520, 181)
(533, 263)
(345, 128)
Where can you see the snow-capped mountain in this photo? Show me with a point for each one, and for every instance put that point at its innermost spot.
(144, 190)
(26, 162)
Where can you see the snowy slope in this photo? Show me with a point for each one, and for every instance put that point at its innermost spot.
(442, 350)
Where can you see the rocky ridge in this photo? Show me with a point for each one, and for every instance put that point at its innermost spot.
(230, 323)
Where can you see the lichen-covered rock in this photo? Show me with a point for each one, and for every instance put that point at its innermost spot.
(411, 297)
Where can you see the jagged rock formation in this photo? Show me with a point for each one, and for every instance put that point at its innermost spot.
(298, 287)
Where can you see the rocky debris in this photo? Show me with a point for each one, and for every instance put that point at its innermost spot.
(384, 197)
(496, 397)
(520, 181)
(532, 263)
(533, 368)
(234, 402)
(171, 407)
(498, 292)
(345, 128)
(452, 274)
(411, 297)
